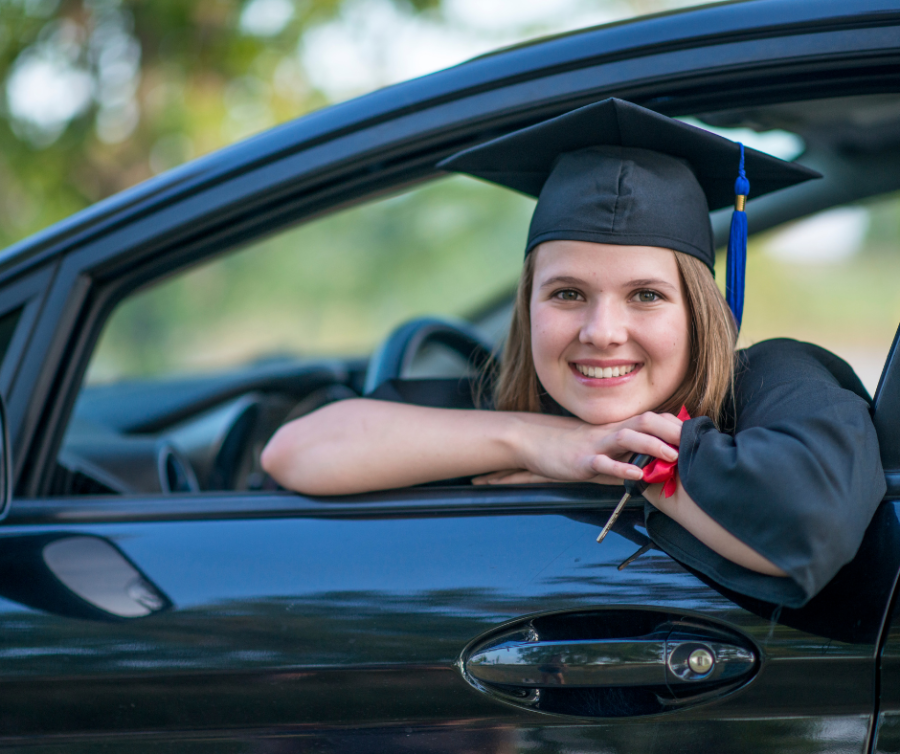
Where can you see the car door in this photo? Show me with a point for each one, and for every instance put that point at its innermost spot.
(271, 621)
(357, 625)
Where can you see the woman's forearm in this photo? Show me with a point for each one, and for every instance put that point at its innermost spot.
(686, 512)
(360, 445)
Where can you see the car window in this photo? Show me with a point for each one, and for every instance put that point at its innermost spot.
(829, 279)
(192, 375)
(332, 287)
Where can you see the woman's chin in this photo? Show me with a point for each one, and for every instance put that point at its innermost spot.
(593, 414)
(596, 406)
(607, 405)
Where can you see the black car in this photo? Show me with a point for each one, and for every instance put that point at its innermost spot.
(159, 592)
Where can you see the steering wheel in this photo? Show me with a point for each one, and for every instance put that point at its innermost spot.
(398, 351)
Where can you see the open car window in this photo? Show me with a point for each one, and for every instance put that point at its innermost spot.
(333, 287)
(192, 375)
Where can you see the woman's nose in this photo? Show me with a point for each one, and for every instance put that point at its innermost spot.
(604, 325)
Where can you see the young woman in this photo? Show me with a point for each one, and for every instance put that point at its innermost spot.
(618, 324)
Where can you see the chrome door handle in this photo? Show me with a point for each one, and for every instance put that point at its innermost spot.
(653, 660)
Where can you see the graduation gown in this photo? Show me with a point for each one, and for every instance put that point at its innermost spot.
(796, 476)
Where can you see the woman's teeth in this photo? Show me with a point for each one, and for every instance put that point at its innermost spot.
(605, 372)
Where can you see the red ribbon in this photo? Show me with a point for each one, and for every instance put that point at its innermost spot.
(658, 470)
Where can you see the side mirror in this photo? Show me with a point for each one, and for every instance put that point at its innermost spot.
(6, 466)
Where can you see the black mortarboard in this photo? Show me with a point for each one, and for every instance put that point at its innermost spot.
(615, 172)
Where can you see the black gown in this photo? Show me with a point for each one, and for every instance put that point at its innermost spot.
(797, 477)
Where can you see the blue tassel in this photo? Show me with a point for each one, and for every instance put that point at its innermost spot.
(736, 265)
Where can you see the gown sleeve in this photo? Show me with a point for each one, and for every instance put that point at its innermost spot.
(798, 480)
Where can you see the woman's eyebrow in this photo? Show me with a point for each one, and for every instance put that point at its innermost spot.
(649, 283)
(562, 279)
(641, 283)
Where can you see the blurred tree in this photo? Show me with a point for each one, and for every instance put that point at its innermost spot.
(101, 94)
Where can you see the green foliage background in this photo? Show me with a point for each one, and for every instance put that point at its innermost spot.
(200, 83)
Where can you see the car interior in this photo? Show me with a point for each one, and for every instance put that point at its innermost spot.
(193, 374)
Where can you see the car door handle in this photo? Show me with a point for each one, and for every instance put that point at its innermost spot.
(652, 660)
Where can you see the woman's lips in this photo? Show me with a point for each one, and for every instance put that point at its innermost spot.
(604, 375)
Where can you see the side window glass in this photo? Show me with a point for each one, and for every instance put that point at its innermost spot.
(192, 375)
(830, 279)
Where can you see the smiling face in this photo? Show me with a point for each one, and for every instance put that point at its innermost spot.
(610, 327)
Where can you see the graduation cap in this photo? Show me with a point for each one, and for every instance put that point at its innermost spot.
(615, 172)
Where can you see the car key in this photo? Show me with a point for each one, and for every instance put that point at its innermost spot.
(632, 487)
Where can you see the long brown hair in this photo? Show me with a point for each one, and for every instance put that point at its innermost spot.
(713, 336)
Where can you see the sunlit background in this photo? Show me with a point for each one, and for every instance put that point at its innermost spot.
(99, 95)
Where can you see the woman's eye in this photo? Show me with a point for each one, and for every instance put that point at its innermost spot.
(568, 295)
(647, 297)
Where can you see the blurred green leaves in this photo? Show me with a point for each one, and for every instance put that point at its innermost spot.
(101, 94)
(98, 95)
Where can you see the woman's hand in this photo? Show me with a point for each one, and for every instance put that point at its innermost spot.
(581, 452)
